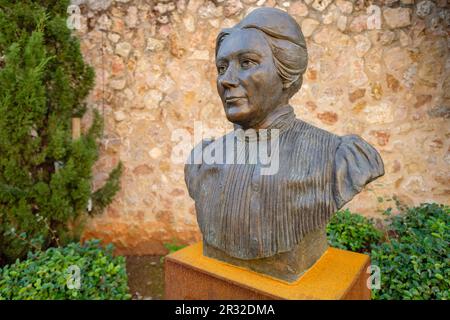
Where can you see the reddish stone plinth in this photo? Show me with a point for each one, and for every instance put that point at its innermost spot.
(337, 275)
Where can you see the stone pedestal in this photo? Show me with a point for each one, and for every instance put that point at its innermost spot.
(286, 266)
(337, 275)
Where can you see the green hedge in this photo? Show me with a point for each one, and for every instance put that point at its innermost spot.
(415, 261)
(353, 232)
(47, 275)
(413, 255)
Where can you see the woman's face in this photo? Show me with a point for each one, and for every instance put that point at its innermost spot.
(247, 80)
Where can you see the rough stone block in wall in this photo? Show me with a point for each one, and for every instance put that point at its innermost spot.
(382, 72)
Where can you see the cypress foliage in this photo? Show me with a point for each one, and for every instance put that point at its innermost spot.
(45, 176)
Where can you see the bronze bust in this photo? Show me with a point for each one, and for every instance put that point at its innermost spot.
(273, 223)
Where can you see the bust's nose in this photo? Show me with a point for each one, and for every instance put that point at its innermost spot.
(230, 78)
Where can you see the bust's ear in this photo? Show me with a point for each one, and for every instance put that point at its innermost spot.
(293, 87)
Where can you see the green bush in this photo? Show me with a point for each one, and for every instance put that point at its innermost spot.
(352, 232)
(415, 260)
(45, 175)
(47, 275)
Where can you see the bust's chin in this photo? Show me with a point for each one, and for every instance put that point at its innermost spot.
(242, 122)
(240, 115)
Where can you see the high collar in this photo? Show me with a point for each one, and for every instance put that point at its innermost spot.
(281, 121)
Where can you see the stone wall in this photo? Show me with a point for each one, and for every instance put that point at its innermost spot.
(379, 69)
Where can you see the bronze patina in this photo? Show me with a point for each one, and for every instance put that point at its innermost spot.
(271, 220)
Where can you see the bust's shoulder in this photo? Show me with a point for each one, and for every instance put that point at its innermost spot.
(356, 164)
(354, 144)
(195, 155)
(212, 142)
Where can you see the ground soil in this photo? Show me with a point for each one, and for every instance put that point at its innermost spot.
(146, 277)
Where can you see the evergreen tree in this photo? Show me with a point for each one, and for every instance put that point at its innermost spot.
(45, 175)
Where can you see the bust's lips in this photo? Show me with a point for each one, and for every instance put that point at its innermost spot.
(233, 99)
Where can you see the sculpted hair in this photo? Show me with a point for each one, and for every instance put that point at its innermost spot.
(286, 42)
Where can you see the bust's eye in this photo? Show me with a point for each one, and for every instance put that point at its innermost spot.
(221, 69)
(245, 64)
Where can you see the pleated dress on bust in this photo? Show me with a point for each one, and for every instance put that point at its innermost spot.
(245, 214)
